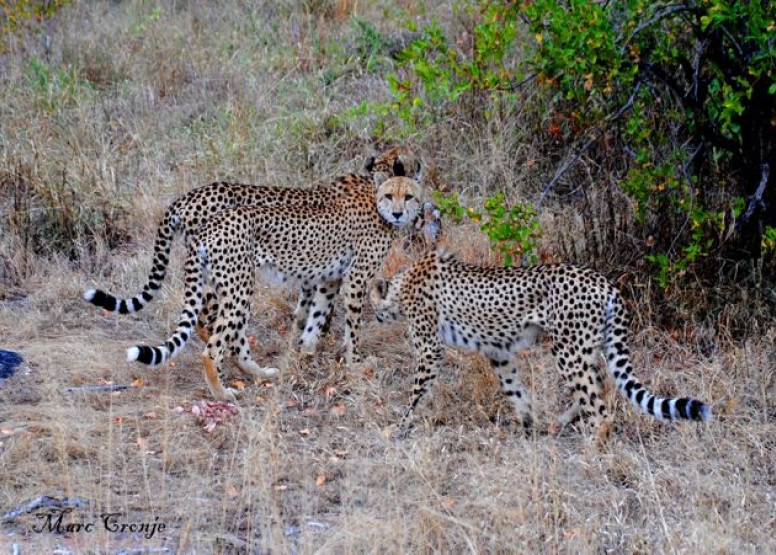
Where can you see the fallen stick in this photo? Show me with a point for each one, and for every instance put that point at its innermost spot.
(97, 388)
(143, 550)
(42, 502)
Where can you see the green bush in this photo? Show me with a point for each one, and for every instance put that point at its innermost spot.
(513, 230)
(24, 16)
(689, 88)
(685, 93)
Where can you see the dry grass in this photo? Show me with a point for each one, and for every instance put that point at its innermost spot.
(246, 91)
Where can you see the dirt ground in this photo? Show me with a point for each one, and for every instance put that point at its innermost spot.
(304, 465)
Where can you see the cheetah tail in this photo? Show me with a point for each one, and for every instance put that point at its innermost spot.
(162, 246)
(618, 361)
(195, 281)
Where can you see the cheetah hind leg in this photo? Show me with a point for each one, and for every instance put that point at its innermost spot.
(214, 380)
(242, 356)
(512, 387)
(244, 361)
(241, 353)
(207, 317)
(586, 381)
(303, 308)
(568, 416)
(318, 314)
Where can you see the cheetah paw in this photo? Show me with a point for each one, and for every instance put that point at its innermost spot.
(394, 432)
(227, 394)
(269, 373)
(307, 350)
(361, 366)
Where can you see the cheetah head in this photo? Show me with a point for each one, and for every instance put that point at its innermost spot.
(385, 298)
(393, 162)
(399, 200)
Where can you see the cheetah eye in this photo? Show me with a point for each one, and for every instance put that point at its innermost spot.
(408, 198)
(389, 197)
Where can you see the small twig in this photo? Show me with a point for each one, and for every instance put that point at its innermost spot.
(42, 502)
(691, 189)
(729, 35)
(97, 388)
(514, 86)
(143, 550)
(567, 164)
(697, 62)
(670, 10)
(690, 161)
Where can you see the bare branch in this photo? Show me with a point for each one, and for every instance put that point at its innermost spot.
(732, 39)
(756, 200)
(514, 86)
(667, 11)
(596, 134)
(96, 388)
(42, 502)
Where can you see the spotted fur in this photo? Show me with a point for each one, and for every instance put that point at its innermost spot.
(500, 311)
(313, 247)
(188, 212)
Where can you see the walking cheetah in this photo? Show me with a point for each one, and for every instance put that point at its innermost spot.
(312, 246)
(500, 311)
(189, 211)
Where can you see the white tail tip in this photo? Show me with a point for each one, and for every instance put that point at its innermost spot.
(132, 354)
(89, 294)
(706, 413)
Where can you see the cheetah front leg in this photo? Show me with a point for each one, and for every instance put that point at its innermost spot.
(505, 366)
(301, 315)
(428, 354)
(302, 310)
(317, 309)
(354, 291)
(318, 314)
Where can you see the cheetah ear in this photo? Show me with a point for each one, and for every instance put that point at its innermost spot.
(398, 168)
(418, 171)
(369, 165)
(378, 178)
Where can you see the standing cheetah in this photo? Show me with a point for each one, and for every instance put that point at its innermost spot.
(310, 246)
(500, 311)
(188, 212)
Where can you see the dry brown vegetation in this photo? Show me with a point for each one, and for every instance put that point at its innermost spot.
(141, 101)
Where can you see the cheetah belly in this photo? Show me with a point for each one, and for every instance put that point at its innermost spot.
(455, 335)
(500, 341)
(283, 273)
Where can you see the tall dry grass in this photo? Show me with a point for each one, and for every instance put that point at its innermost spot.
(137, 103)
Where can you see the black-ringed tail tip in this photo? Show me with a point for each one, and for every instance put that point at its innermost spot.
(147, 355)
(684, 408)
(112, 304)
